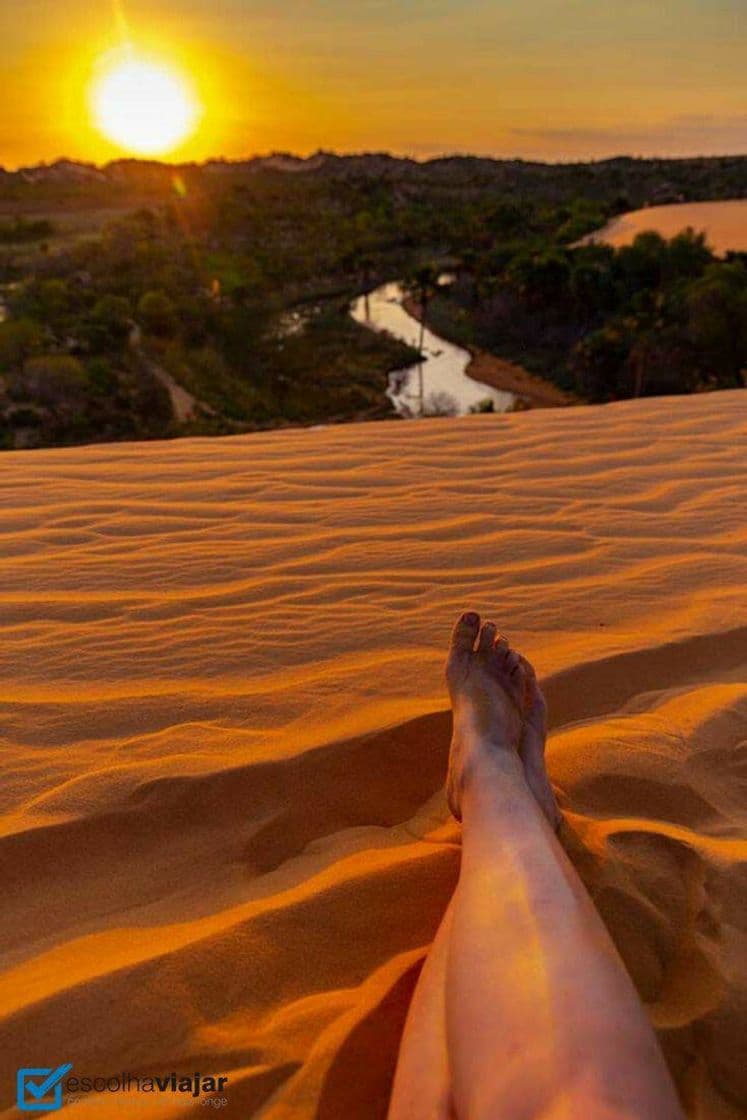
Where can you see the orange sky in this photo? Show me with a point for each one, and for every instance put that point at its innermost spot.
(555, 79)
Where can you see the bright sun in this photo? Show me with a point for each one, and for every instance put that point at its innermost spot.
(143, 105)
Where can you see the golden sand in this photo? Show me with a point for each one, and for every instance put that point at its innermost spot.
(224, 841)
(725, 224)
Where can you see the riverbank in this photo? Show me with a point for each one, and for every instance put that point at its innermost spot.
(436, 383)
(530, 390)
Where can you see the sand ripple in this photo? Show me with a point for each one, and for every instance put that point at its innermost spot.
(223, 839)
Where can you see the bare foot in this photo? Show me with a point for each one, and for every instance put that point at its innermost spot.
(488, 697)
(499, 711)
(532, 747)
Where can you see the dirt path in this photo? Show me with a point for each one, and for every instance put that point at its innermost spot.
(184, 405)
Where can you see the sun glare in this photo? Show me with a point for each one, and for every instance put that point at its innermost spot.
(143, 105)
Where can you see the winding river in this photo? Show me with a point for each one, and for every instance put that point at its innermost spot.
(447, 390)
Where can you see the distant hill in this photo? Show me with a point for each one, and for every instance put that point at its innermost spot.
(61, 171)
(639, 181)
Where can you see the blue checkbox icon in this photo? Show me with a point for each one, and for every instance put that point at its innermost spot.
(40, 1090)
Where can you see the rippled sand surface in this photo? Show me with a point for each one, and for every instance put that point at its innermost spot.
(725, 224)
(223, 839)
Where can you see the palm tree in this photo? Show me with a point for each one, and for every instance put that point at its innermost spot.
(365, 269)
(422, 286)
(471, 265)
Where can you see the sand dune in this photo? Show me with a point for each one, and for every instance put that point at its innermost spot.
(224, 842)
(725, 224)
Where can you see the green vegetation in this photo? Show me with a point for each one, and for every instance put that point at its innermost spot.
(20, 230)
(50, 399)
(654, 317)
(332, 370)
(237, 286)
(220, 337)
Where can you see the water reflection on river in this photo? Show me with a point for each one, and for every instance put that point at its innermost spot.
(445, 388)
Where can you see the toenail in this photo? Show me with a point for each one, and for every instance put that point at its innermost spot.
(470, 618)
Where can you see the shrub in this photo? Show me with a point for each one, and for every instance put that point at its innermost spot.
(19, 338)
(53, 380)
(157, 313)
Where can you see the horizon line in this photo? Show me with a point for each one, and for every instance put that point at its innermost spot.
(359, 154)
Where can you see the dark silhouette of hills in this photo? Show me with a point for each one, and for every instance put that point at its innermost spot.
(624, 182)
(365, 163)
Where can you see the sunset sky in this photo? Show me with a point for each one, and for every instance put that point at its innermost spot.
(550, 79)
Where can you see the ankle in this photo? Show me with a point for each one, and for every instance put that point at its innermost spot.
(479, 735)
(493, 786)
(491, 762)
